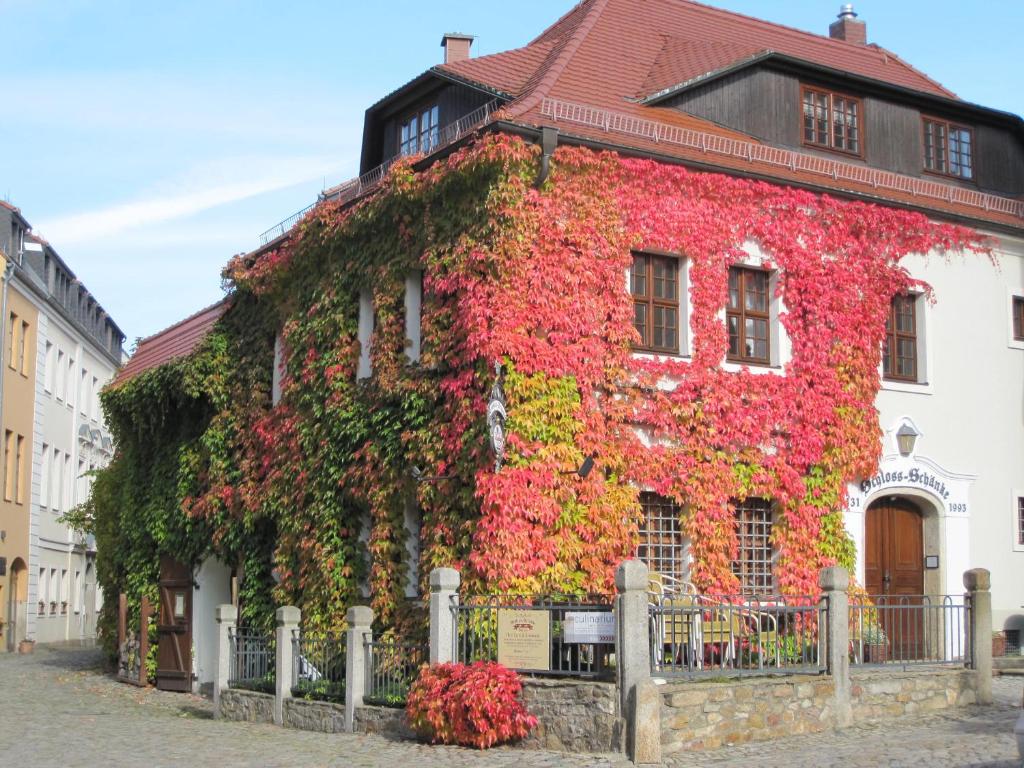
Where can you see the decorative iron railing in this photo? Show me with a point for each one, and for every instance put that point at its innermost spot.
(838, 170)
(560, 635)
(391, 668)
(318, 663)
(251, 660)
(909, 629)
(693, 636)
(283, 226)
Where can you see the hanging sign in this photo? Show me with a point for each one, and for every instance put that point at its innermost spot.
(524, 639)
(496, 417)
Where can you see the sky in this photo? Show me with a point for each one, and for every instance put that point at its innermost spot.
(149, 142)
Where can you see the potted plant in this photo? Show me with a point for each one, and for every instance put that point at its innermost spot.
(876, 644)
(26, 646)
(998, 644)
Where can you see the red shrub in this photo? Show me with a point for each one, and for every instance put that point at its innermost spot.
(475, 706)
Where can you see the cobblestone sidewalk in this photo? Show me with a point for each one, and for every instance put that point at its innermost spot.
(60, 710)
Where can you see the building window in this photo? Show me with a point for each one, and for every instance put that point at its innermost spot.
(753, 563)
(420, 133)
(654, 285)
(1018, 318)
(19, 470)
(23, 349)
(413, 315)
(832, 121)
(747, 316)
(41, 611)
(59, 371)
(48, 372)
(899, 357)
(947, 148)
(662, 546)
(44, 477)
(366, 327)
(1020, 521)
(12, 340)
(9, 438)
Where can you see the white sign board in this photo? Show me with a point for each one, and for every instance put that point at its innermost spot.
(589, 627)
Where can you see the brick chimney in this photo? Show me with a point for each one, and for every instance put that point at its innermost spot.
(846, 27)
(456, 46)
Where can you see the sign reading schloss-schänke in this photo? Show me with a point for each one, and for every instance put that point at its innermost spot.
(589, 627)
(524, 639)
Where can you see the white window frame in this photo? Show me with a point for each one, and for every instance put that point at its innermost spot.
(924, 384)
(48, 370)
(685, 306)
(278, 373)
(1011, 342)
(365, 333)
(44, 476)
(413, 314)
(780, 348)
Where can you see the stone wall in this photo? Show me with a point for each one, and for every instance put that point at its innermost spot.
(322, 716)
(383, 720)
(248, 706)
(704, 715)
(883, 694)
(573, 715)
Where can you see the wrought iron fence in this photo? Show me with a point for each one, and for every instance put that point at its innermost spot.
(558, 635)
(693, 636)
(318, 666)
(391, 668)
(281, 227)
(908, 629)
(251, 661)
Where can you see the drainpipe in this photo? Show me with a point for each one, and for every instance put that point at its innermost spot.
(548, 142)
(6, 278)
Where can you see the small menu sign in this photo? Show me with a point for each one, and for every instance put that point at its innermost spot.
(589, 627)
(524, 639)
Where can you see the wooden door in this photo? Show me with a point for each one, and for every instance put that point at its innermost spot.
(894, 573)
(174, 627)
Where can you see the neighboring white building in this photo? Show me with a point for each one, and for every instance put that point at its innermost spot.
(78, 352)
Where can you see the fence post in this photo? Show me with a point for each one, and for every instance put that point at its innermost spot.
(288, 618)
(633, 649)
(145, 611)
(226, 616)
(978, 582)
(444, 593)
(360, 619)
(834, 582)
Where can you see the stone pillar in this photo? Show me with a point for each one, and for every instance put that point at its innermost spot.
(834, 582)
(288, 618)
(227, 618)
(978, 582)
(360, 619)
(444, 593)
(633, 649)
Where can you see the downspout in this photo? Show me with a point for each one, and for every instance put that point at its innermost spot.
(548, 143)
(6, 278)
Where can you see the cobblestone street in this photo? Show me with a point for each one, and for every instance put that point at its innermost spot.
(62, 711)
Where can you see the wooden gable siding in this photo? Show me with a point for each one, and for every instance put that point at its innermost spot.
(453, 101)
(766, 104)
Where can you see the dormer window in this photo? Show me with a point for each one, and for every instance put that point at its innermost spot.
(947, 148)
(420, 133)
(832, 121)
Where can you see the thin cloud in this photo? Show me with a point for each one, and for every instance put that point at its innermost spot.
(97, 224)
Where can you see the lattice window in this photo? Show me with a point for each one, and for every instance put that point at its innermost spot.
(947, 148)
(662, 545)
(654, 285)
(832, 120)
(747, 316)
(753, 563)
(899, 358)
(1020, 520)
(1018, 318)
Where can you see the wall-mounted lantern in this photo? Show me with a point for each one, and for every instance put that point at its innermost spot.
(906, 437)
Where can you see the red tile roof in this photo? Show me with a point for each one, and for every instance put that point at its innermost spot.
(610, 54)
(180, 340)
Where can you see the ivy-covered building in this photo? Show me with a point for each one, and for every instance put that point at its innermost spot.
(740, 265)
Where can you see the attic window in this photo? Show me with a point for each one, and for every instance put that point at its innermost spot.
(420, 133)
(947, 148)
(832, 120)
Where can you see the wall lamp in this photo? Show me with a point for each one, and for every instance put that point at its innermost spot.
(585, 468)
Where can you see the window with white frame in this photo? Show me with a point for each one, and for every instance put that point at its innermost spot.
(662, 546)
(420, 132)
(48, 372)
(76, 597)
(413, 312)
(63, 597)
(365, 331)
(57, 480)
(754, 554)
(277, 374)
(657, 287)
(44, 476)
(54, 589)
(1020, 521)
(41, 590)
(59, 376)
(94, 399)
(69, 393)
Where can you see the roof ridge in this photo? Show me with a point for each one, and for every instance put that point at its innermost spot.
(184, 320)
(560, 20)
(568, 48)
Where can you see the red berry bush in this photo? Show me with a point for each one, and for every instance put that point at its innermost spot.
(474, 705)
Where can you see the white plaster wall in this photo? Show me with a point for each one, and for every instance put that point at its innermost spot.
(213, 588)
(971, 414)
